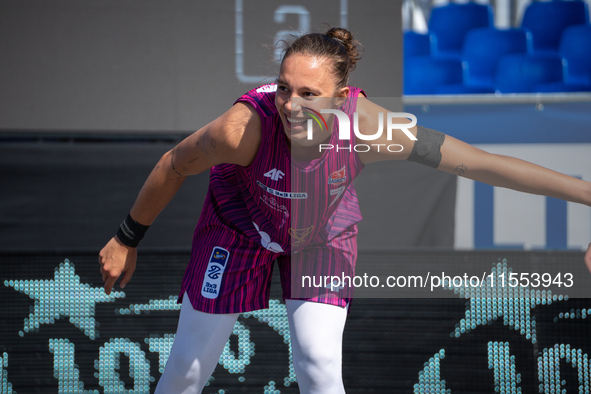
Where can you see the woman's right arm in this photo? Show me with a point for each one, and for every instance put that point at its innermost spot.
(232, 138)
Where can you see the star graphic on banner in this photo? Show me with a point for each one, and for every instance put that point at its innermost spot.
(491, 301)
(65, 295)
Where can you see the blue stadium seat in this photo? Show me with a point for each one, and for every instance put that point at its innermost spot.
(547, 21)
(519, 73)
(423, 74)
(555, 87)
(416, 44)
(450, 23)
(459, 88)
(484, 47)
(575, 48)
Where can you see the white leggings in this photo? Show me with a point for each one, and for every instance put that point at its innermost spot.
(316, 338)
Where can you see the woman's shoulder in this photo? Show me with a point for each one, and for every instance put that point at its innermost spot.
(354, 91)
(262, 99)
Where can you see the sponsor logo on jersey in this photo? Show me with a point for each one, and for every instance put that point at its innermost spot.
(219, 256)
(300, 235)
(338, 176)
(275, 174)
(266, 241)
(267, 88)
(338, 192)
(271, 203)
(214, 272)
(294, 196)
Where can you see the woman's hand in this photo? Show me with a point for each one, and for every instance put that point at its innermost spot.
(117, 259)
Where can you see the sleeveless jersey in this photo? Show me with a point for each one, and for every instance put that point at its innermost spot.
(278, 203)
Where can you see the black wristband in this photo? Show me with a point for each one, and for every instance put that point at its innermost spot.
(130, 232)
(426, 149)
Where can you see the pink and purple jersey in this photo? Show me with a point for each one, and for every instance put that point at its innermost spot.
(272, 209)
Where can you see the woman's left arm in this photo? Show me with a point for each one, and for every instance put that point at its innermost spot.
(449, 154)
(446, 153)
(470, 162)
(465, 160)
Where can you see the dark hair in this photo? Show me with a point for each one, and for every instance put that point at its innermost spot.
(337, 45)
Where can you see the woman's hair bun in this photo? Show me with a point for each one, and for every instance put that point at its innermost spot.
(345, 37)
(337, 44)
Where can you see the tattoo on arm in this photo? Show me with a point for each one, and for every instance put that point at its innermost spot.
(460, 170)
(206, 143)
(172, 163)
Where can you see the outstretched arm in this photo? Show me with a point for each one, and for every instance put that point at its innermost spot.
(465, 160)
(232, 138)
(470, 162)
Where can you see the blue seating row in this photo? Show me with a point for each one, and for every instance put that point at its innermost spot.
(471, 56)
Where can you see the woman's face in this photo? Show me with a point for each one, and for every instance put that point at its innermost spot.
(305, 82)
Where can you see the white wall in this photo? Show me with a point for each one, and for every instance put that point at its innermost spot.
(520, 218)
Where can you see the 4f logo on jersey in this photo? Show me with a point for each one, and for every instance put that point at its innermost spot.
(275, 174)
(337, 176)
(214, 272)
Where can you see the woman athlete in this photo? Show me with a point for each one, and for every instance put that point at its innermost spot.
(274, 195)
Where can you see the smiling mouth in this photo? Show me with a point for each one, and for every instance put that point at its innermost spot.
(297, 121)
